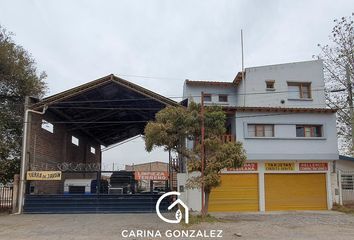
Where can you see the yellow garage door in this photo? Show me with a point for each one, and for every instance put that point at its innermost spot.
(237, 192)
(295, 192)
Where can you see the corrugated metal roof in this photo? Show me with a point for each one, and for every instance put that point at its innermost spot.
(109, 109)
(235, 82)
(347, 158)
(97, 83)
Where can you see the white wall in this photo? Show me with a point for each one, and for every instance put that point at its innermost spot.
(193, 93)
(257, 95)
(335, 188)
(191, 197)
(285, 145)
(344, 165)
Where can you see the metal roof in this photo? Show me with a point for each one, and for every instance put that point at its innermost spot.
(347, 158)
(109, 109)
(209, 83)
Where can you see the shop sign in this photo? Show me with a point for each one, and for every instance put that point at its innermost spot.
(280, 166)
(313, 166)
(158, 176)
(43, 175)
(245, 167)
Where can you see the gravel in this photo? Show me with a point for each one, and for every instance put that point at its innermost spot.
(285, 225)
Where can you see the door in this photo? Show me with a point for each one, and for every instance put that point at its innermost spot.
(295, 191)
(237, 192)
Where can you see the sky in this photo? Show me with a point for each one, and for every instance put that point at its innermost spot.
(159, 43)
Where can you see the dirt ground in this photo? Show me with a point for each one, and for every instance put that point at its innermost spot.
(285, 225)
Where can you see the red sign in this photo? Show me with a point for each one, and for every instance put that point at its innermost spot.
(245, 167)
(313, 166)
(158, 176)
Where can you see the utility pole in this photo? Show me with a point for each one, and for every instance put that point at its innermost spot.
(350, 101)
(202, 156)
(243, 71)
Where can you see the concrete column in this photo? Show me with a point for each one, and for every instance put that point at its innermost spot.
(261, 187)
(339, 175)
(329, 190)
(15, 193)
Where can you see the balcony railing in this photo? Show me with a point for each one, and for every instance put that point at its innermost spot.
(228, 138)
(224, 138)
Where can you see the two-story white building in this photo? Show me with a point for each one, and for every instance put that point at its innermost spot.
(279, 114)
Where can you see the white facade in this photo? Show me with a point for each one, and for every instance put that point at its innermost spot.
(194, 94)
(251, 97)
(285, 145)
(252, 92)
(192, 197)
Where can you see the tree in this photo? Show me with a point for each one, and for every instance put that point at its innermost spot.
(338, 59)
(18, 79)
(173, 125)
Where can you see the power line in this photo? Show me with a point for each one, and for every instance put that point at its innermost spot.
(145, 121)
(88, 122)
(181, 97)
(105, 108)
(152, 77)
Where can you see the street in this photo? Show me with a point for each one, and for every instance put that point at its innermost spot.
(277, 225)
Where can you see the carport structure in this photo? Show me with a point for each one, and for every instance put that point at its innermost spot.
(109, 109)
(102, 112)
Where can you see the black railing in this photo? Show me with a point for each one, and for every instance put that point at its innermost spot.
(6, 198)
(96, 183)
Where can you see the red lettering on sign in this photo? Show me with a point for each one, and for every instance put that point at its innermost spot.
(245, 167)
(313, 166)
(158, 176)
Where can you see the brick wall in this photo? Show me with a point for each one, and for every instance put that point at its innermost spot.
(154, 167)
(48, 151)
(148, 167)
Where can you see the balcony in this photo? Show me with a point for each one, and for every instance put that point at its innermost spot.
(228, 138)
(224, 138)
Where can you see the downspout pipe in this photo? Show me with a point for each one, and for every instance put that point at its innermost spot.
(23, 158)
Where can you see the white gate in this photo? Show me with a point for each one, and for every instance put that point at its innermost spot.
(347, 186)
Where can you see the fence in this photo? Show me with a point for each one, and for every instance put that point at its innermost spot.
(347, 187)
(6, 198)
(96, 182)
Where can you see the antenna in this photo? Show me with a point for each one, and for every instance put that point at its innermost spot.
(243, 71)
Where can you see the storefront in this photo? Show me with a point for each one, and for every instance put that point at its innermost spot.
(273, 186)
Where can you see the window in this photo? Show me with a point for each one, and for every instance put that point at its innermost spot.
(222, 98)
(260, 130)
(75, 140)
(47, 126)
(309, 131)
(270, 85)
(93, 150)
(347, 182)
(207, 97)
(299, 90)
